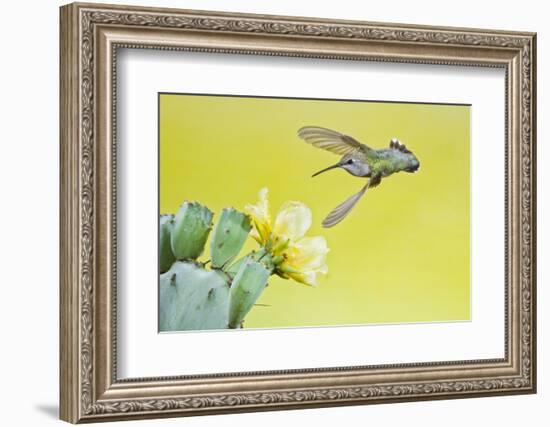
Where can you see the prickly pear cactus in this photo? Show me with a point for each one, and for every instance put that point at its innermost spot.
(194, 297)
(166, 256)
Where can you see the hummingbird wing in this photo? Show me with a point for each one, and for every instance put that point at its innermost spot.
(341, 211)
(332, 141)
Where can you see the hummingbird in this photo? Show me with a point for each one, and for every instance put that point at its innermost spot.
(359, 160)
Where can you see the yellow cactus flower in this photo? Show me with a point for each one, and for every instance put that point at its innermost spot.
(261, 219)
(295, 256)
(305, 258)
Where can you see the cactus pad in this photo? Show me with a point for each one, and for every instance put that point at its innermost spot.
(192, 225)
(192, 298)
(166, 256)
(247, 286)
(229, 236)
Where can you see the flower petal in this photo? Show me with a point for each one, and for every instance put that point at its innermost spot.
(255, 235)
(293, 220)
(304, 259)
(260, 216)
(308, 254)
(307, 278)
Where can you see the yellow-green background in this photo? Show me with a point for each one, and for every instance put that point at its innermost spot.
(402, 255)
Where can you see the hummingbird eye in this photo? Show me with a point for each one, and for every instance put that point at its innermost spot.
(350, 161)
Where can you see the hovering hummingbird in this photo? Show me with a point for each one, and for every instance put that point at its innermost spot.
(359, 160)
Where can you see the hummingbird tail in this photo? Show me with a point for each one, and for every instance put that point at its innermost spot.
(342, 210)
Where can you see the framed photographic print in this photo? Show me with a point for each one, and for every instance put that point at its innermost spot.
(265, 212)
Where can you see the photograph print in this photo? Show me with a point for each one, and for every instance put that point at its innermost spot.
(291, 212)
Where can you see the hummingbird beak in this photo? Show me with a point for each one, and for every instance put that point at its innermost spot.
(337, 165)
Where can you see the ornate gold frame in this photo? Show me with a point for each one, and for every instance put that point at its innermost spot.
(90, 36)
